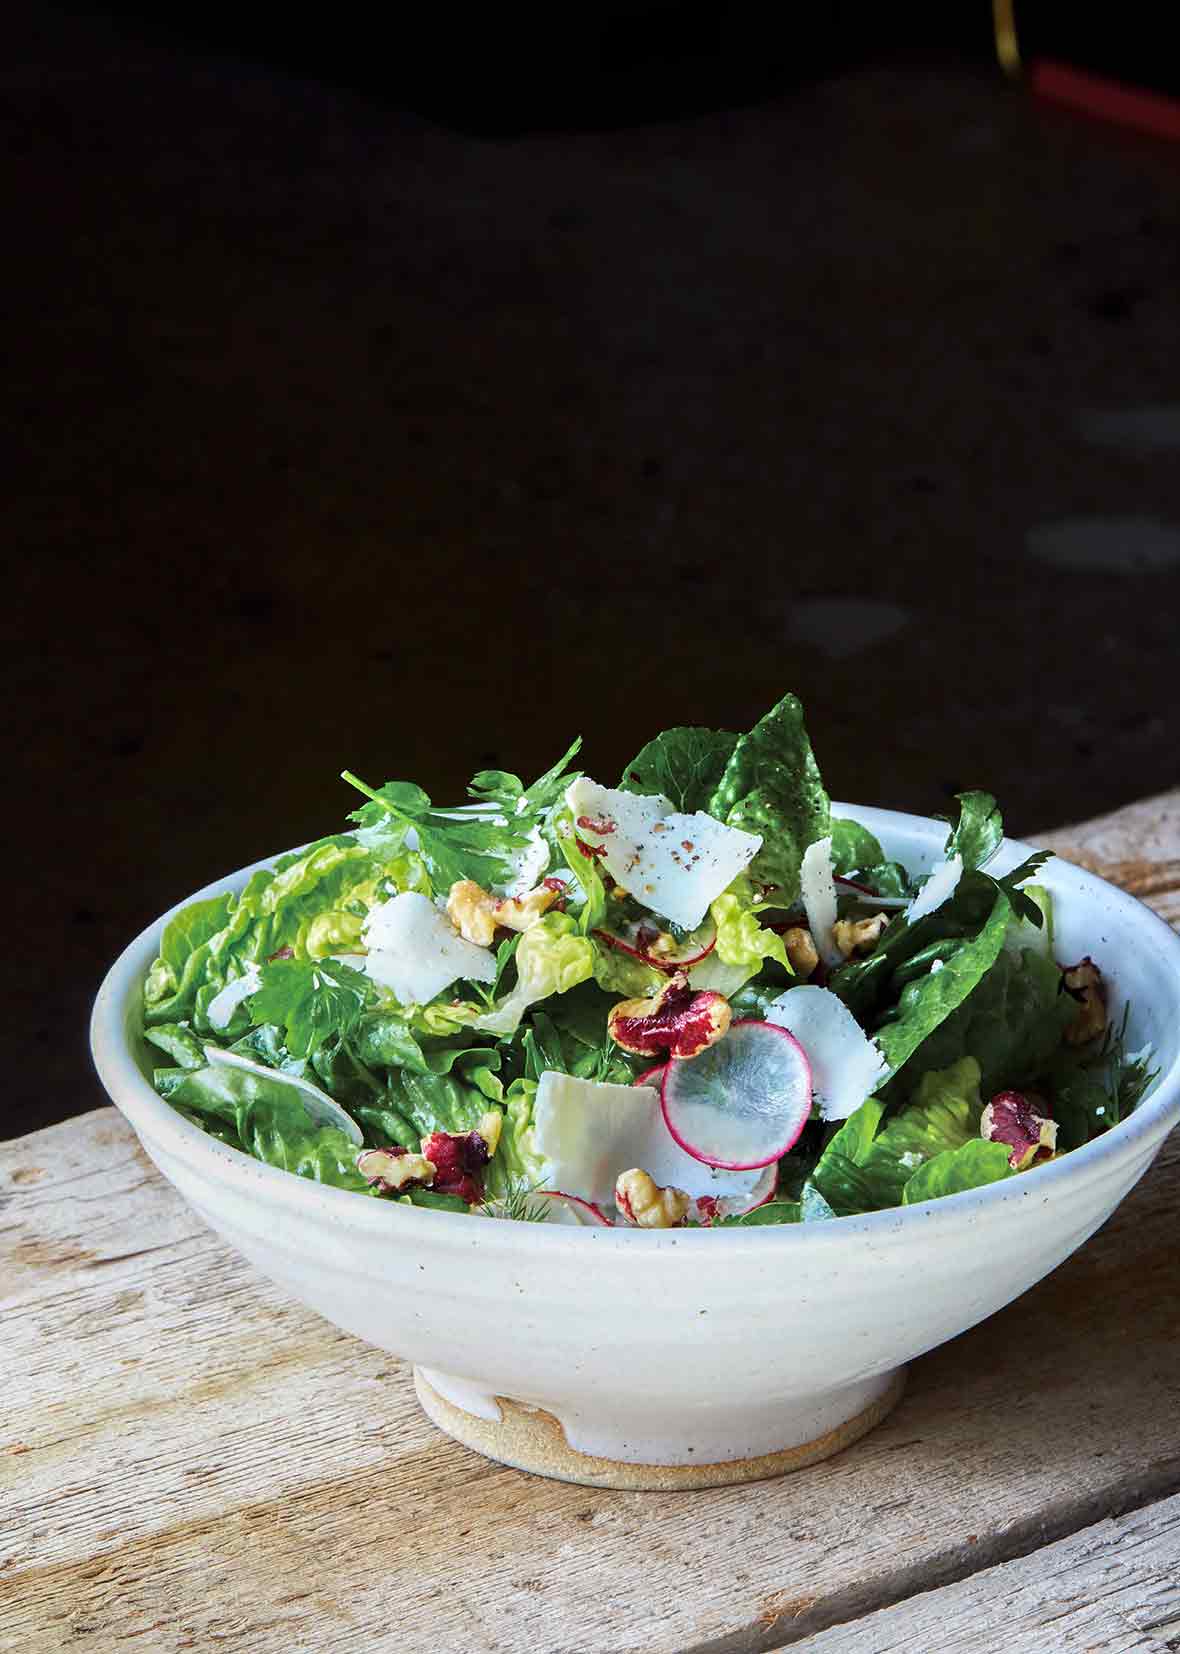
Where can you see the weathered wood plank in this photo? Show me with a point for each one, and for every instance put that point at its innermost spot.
(188, 1459)
(1114, 1586)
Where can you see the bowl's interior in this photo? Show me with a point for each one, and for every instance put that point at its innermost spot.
(1138, 952)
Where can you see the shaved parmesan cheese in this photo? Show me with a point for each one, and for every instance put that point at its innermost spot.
(846, 1067)
(672, 864)
(221, 1007)
(528, 866)
(588, 1132)
(941, 885)
(817, 886)
(415, 951)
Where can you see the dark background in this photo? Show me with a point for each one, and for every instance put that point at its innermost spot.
(412, 410)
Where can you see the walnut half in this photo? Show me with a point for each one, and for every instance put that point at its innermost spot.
(643, 1203)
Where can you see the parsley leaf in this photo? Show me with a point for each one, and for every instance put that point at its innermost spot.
(310, 999)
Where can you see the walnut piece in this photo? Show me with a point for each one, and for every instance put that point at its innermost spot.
(391, 1169)
(677, 1020)
(1084, 983)
(476, 913)
(801, 949)
(643, 1203)
(858, 936)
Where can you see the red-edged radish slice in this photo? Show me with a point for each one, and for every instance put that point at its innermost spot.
(846, 1067)
(743, 1102)
(712, 1208)
(571, 1210)
(870, 897)
(637, 939)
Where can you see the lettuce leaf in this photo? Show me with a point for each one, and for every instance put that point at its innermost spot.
(838, 1176)
(954, 1170)
(741, 940)
(591, 891)
(270, 1122)
(685, 765)
(552, 957)
(978, 832)
(1011, 1023)
(516, 1163)
(276, 911)
(436, 1102)
(869, 1162)
(857, 853)
(772, 786)
(927, 1002)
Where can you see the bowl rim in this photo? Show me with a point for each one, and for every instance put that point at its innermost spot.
(151, 1116)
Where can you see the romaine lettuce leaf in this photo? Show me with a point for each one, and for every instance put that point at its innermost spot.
(926, 1002)
(977, 833)
(685, 765)
(772, 786)
(1011, 1022)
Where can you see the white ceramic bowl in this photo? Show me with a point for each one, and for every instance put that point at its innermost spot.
(654, 1359)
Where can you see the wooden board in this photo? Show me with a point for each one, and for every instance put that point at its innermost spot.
(1114, 1586)
(189, 1461)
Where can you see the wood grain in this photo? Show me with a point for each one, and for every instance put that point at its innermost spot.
(190, 1461)
(1114, 1586)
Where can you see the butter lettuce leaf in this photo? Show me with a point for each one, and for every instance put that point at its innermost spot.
(954, 1170)
(741, 940)
(269, 1121)
(551, 958)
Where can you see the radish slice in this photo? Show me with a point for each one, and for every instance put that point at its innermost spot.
(571, 1211)
(743, 1102)
(846, 1066)
(870, 898)
(631, 940)
(710, 1209)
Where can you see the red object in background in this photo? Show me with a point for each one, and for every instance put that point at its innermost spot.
(1108, 100)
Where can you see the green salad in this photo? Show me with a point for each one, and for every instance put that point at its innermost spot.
(690, 997)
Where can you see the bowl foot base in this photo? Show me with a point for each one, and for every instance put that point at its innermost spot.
(527, 1438)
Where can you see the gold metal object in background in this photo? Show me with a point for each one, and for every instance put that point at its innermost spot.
(1007, 44)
